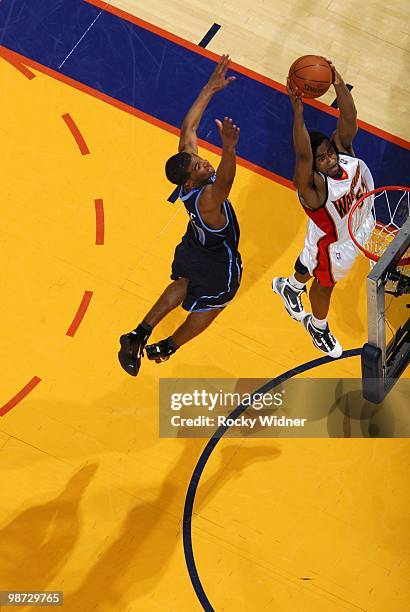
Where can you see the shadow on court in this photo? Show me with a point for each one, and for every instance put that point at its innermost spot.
(37, 543)
(147, 537)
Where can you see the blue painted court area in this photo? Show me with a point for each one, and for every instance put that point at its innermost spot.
(162, 78)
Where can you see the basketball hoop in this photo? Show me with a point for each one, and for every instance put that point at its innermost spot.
(375, 219)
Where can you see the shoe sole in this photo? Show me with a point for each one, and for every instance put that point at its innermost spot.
(129, 364)
(295, 317)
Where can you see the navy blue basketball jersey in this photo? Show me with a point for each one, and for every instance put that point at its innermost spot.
(201, 234)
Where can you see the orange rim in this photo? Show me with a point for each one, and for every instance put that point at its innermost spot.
(402, 262)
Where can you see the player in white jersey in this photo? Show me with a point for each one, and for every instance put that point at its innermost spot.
(329, 179)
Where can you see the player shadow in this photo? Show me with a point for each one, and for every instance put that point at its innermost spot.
(150, 533)
(37, 543)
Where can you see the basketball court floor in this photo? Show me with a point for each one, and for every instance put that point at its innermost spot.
(92, 497)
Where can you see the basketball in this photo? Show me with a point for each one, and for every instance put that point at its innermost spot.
(311, 75)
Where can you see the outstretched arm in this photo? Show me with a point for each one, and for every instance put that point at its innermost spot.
(215, 195)
(304, 178)
(217, 82)
(346, 128)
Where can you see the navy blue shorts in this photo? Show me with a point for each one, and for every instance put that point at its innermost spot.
(213, 277)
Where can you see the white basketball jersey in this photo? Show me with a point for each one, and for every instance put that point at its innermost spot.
(341, 194)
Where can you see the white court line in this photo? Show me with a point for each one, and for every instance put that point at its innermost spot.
(154, 242)
(180, 206)
(87, 30)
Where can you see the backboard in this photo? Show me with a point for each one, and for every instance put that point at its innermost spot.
(386, 354)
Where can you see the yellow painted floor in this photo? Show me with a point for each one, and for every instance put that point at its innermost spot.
(92, 498)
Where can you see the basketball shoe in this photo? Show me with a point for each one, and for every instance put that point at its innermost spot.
(131, 351)
(322, 338)
(292, 298)
(161, 351)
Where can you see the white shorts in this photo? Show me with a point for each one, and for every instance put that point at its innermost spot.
(330, 261)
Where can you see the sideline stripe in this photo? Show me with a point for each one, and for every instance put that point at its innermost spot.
(99, 221)
(78, 137)
(7, 56)
(148, 118)
(239, 68)
(199, 468)
(209, 35)
(20, 395)
(82, 309)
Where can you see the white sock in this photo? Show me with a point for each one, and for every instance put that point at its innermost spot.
(295, 283)
(319, 323)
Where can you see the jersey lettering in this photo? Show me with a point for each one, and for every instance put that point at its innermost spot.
(344, 203)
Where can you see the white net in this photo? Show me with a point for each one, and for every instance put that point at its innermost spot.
(377, 219)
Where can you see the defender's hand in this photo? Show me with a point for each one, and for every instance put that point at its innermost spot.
(294, 97)
(218, 79)
(228, 131)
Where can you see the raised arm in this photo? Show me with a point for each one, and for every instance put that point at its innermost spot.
(213, 196)
(346, 128)
(217, 82)
(304, 177)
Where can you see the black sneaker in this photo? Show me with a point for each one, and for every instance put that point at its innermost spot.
(292, 298)
(132, 346)
(323, 339)
(161, 351)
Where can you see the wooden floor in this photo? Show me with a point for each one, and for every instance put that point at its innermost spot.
(369, 42)
(92, 498)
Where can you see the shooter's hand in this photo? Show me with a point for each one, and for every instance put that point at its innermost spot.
(294, 97)
(337, 79)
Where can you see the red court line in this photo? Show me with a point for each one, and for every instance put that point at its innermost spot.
(6, 54)
(157, 122)
(246, 71)
(145, 117)
(76, 133)
(20, 395)
(82, 309)
(99, 221)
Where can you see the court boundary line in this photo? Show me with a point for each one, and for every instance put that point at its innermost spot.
(80, 314)
(146, 25)
(18, 65)
(99, 221)
(20, 395)
(75, 131)
(131, 110)
(206, 453)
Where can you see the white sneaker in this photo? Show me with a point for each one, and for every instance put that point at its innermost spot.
(292, 298)
(323, 339)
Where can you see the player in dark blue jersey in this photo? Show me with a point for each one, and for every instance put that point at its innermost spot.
(207, 268)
